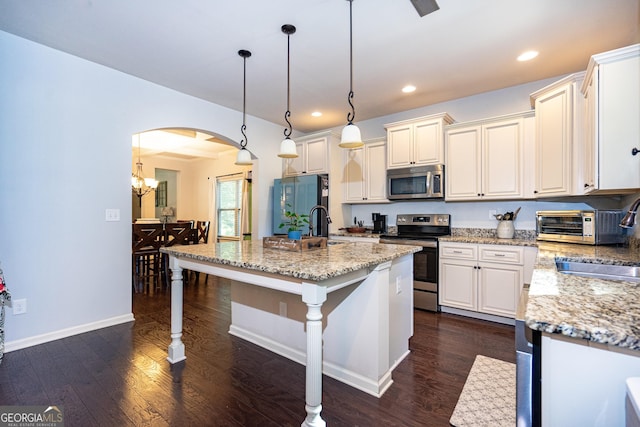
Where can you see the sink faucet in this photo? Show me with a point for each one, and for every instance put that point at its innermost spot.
(630, 218)
(313, 209)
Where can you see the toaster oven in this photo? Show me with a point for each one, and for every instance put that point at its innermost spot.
(596, 227)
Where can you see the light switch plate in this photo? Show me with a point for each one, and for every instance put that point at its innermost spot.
(112, 215)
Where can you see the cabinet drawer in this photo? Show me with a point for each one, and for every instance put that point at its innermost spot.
(458, 251)
(502, 254)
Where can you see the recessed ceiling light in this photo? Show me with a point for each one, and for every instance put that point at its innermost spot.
(408, 89)
(316, 114)
(528, 55)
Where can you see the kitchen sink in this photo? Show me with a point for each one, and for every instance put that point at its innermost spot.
(629, 273)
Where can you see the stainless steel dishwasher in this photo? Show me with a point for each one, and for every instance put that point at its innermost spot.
(524, 364)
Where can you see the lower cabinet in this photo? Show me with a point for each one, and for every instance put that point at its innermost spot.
(481, 278)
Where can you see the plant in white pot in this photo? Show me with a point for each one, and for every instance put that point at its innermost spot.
(294, 223)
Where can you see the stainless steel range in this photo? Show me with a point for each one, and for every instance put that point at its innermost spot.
(422, 230)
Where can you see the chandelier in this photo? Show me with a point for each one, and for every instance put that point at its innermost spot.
(139, 184)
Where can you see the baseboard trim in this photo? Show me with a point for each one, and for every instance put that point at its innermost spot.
(353, 379)
(477, 315)
(64, 333)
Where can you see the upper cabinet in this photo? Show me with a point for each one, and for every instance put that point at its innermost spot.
(558, 109)
(485, 159)
(416, 142)
(313, 155)
(364, 180)
(611, 91)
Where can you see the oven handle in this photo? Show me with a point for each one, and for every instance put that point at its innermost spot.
(423, 243)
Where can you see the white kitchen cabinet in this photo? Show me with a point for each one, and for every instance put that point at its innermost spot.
(558, 147)
(364, 180)
(481, 278)
(416, 142)
(313, 156)
(611, 91)
(485, 159)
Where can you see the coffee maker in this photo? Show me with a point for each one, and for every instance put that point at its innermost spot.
(379, 223)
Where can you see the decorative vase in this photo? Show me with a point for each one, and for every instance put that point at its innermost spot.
(505, 230)
(294, 235)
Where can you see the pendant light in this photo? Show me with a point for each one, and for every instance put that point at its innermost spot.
(288, 146)
(351, 137)
(139, 184)
(244, 156)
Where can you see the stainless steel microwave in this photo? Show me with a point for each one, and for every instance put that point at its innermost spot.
(419, 182)
(597, 227)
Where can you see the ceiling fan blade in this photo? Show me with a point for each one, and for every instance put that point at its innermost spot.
(425, 7)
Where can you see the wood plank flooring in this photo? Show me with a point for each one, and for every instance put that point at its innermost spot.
(119, 376)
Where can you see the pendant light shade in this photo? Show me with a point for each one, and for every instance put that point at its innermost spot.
(288, 146)
(140, 185)
(351, 137)
(244, 156)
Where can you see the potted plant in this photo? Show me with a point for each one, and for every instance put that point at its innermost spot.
(294, 223)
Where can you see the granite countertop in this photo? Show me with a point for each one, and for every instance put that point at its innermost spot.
(597, 310)
(314, 265)
(346, 233)
(489, 240)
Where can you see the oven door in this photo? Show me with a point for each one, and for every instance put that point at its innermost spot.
(425, 279)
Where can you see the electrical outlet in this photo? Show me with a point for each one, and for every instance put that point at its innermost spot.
(112, 214)
(19, 306)
(492, 214)
(283, 309)
(398, 287)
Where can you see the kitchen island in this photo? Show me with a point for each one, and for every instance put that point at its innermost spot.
(364, 325)
(590, 335)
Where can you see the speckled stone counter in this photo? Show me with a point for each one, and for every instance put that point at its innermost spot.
(315, 265)
(597, 310)
(487, 236)
(347, 234)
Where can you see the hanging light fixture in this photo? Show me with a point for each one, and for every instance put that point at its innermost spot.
(351, 137)
(244, 157)
(288, 146)
(139, 184)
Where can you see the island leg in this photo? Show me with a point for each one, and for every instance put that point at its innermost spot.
(314, 296)
(176, 348)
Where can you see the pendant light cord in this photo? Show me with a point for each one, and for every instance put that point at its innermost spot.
(288, 30)
(352, 115)
(243, 143)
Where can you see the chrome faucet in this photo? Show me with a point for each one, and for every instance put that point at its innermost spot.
(630, 218)
(313, 209)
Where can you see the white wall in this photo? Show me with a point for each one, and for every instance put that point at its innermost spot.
(65, 152)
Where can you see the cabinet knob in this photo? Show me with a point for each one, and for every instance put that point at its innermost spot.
(586, 185)
(634, 151)
(535, 191)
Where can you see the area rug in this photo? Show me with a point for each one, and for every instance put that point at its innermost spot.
(488, 398)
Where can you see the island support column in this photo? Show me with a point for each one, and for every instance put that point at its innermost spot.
(314, 296)
(176, 348)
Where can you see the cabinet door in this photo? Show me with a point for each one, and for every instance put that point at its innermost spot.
(502, 159)
(354, 175)
(458, 282)
(554, 134)
(499, 289)
(296, 166)
(590, 165)
(428, 143)
(399, 146)
(462, 169)
(375, 162)
(317, 156)
(618, 127)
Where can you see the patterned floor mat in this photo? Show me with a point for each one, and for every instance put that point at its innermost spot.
(488, 398)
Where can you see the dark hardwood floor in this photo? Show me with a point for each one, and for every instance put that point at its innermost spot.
(119, 376)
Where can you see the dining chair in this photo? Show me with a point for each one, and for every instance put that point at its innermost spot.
(145, 254)
(177, 233)
(202, 229)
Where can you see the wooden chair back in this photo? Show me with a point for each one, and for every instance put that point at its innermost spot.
(203, 231)
(179, 233)
(147, 237)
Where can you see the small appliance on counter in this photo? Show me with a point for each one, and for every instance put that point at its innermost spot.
(597, 227)
(379, 223)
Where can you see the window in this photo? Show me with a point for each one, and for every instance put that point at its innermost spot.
(229, 203)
